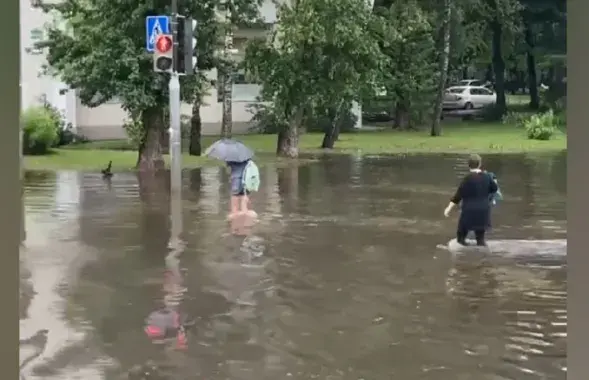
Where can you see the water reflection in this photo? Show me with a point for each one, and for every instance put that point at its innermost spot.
(338, 277)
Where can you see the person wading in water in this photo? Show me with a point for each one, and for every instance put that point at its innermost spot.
(474, 192)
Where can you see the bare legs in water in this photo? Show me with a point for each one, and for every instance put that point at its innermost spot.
(240, 205)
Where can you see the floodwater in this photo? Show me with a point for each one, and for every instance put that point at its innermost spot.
(340, 278)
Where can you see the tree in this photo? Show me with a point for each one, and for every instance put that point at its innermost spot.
(104, 57)
(537, 17)
(408, 42)
(444, 59)
(322, 52)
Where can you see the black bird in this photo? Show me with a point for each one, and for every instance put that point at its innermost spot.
(106, 173)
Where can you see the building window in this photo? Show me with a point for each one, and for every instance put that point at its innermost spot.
(36, 37)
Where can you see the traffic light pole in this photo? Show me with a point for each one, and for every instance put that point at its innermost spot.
(175, 140)
(174, 94)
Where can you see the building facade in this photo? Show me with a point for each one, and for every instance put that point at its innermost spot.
(106, 121)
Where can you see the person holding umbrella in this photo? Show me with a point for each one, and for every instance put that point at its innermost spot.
(245, 176)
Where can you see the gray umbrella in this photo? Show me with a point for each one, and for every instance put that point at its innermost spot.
(229, 150)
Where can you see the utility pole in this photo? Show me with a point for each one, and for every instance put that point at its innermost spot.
(174, 94)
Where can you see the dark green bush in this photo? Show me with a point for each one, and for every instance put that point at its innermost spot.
(40, 130)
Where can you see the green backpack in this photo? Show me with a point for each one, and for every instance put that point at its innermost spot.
(251, 177)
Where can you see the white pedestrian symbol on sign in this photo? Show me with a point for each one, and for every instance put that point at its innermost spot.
(156, 31)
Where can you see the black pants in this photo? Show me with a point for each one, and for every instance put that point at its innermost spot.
(479, 234)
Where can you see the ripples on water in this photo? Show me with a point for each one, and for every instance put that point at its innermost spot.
(339, 279)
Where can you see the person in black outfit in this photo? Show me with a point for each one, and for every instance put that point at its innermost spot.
(474, 192)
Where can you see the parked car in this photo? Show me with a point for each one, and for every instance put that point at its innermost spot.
(471, 82)
(476, 83)
(468, 97)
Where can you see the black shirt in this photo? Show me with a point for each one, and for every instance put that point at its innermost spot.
(474, 191)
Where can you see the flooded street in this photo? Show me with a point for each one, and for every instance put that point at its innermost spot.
(340, 279)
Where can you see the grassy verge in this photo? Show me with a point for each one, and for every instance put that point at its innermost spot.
(458, 138)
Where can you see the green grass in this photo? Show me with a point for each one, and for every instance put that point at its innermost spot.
(457, 138)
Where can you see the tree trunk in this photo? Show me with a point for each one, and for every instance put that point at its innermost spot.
(531, 63)
(288, 138)
(436, 129)
(227, 81)
(227, 119)
(401, 115)
(150, 157)
(195, 148)
(332, 133)
(498, 61)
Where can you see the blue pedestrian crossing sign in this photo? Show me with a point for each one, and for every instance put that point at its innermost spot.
(155, 25)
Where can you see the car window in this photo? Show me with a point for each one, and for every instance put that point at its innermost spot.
(475, 91)
(476, 83)
(455, 90)
(486, 92)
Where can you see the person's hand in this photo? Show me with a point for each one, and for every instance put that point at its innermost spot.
(447, 211)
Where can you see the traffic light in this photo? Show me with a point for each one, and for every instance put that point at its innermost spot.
(163, 56)
(186, 57)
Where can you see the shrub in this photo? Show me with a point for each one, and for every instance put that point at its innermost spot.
(135, 131)
(40, 130)
(541, 127)
(519, 119)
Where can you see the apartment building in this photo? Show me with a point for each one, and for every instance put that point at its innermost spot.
(105, 121)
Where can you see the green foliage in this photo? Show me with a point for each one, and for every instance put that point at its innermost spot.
(97, 47)
(40, 130)
(321, 120)
(554, 97)
(518, 119)
(541, 127)
(318, 120)
(135, 131)
(265, 119)
(65, 135)
(406, 37)
(323, 54)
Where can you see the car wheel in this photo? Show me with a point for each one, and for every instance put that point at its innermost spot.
(468, 106)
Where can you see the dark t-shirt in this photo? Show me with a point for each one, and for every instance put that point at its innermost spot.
(474, 191)
(237, 169)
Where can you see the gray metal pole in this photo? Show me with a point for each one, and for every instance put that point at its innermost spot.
(175, 129)
(175, 135)
(175, 142)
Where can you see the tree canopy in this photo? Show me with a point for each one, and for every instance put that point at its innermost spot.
(321, 52)
(97, 47)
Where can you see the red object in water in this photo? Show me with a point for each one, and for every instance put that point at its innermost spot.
(153, 331)
(181, 343)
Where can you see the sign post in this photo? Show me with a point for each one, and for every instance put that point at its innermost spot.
(161, 33)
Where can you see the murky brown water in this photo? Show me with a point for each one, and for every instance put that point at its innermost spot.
(339, 279)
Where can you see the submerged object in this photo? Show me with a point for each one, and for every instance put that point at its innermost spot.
(514, 248)
(165, 325)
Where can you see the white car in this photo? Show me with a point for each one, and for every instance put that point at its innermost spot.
(468, 97)
(471, 82)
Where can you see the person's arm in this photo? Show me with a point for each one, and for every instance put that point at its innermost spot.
(455, 200)
(493, 186)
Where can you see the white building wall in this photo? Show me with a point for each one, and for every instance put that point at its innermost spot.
(35, 85)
